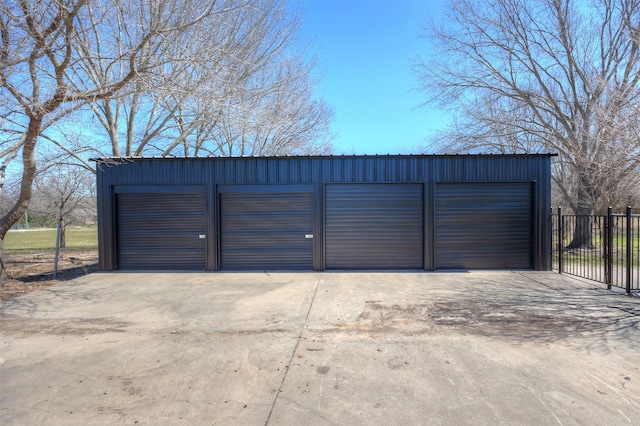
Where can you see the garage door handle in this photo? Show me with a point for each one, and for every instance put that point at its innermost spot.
(308, 235)
(202, 236)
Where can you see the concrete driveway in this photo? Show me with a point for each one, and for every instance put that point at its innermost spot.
(499, 348)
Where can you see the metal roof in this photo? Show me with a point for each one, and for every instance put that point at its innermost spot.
(109, 159)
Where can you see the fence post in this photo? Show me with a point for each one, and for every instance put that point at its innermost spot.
(608, 259)
(560, 233)
(629, 250)
(55, 261)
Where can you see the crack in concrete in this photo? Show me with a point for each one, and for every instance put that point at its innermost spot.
(293, 353)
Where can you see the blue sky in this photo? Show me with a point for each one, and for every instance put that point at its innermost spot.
(365, 48)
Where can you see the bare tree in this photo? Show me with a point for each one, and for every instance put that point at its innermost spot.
(65, 193)
(222, 78)
(46, 47)
(545, 75)
(284, 120)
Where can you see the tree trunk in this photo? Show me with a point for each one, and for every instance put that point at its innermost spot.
(63, 235)
(582, 232)
(3, 272)
(26, 186)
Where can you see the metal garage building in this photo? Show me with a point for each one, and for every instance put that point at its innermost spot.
(420, 212)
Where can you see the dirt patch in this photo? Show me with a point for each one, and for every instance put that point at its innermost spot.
(20, 326)
(475, 317)
(30, 271)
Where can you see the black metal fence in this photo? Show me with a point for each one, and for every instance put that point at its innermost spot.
(603, 248)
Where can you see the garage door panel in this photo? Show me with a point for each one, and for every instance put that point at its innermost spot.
(266, 230)
(150, 223)
(257, 223)
(374, 226)
(265, 240)
(159, 257)
(161, 231)
(257, 258)
(483, 226)
(471, 263)
(179, 240)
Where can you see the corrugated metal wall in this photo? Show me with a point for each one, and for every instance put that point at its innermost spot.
(139, 174)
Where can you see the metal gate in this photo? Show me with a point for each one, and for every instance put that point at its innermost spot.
(601, 248)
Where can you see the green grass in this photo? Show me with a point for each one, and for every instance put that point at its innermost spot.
(619, 258)
(45, 239)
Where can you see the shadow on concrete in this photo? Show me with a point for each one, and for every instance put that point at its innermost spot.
(516, 307)
(62, 275)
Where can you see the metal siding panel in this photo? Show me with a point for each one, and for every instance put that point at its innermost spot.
(212, 222)
(360, 167)
(250, 170)
(266, 230)
(374, 226)
(104, 204)
(428, 222)
(271, 167)
(337, 169)
(240, 171)
(283, 170)
(326, 169)
(483, 226)
(161, 231)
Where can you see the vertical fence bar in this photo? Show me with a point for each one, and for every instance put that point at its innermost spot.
(560, 240)
(583, 247)
(597, 271)
(629, 244)
(636, 258)
(618, 260)
(552, 218)
(608, 257)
